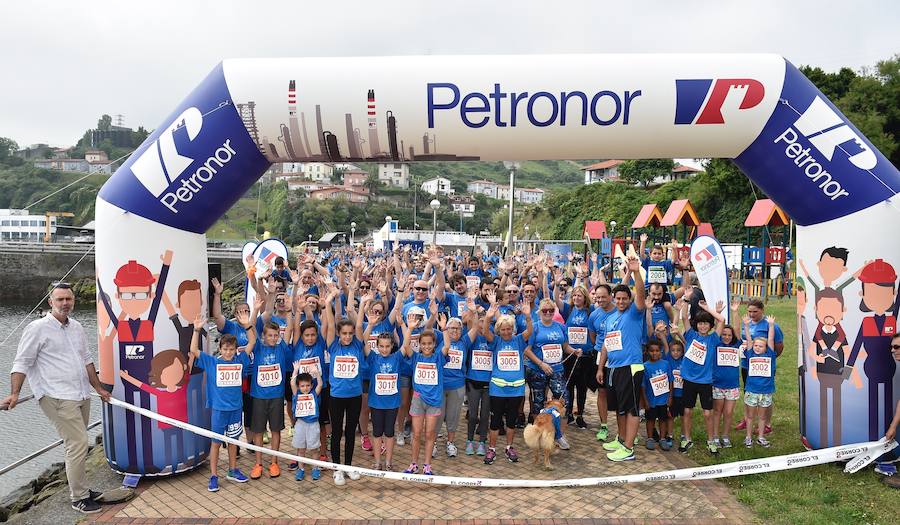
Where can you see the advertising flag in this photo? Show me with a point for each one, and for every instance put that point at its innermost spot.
(709, 264)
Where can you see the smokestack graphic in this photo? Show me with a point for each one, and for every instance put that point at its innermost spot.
(425, 144)
(333, 153)
(352, 145)
(305, 136)
(297, 146)
(322, 147)
(412, 153)
(392, 135)
(285, 138)
(402, 150)
(374, 146)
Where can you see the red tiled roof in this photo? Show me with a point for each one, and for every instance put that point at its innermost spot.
(766, 213)
(681, 169)
(648, 216)
(680, 212)
(603, 165)
(594, 229)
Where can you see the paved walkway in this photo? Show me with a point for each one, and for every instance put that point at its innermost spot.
(184, 498)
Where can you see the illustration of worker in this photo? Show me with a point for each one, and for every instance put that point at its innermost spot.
(189, 305)
(828, 349)
(169, 371)
(873, 342)
(135, 295)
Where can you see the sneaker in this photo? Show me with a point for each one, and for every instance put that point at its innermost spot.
(742, 425)
(427, 471)
(451, 450)
(94, 495)
(623, 454)
(274, 470)
(482, 448)
(266, 438)
(748, 442)
(490, 456)
(717, 442)
(613, 445)
(353, 475)
(651, 444)
(400, 440)
(293, 465)
(89, 506)
(237, 476)
(579, 422)
(339, 477)
(603, 433)
(726, 442)
(387, 467)
(563, 444)
(300, 475)
(413, 469)
(212, 487)
(885, 469)
(767, 429)
(316, 474)
(665, 444)
(366, 444)
(712, 446)
(763, 442)
(685, 445)
(256, 471)
(512, 455)
(470, 448)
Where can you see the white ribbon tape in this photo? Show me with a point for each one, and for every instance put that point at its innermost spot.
(860, 454)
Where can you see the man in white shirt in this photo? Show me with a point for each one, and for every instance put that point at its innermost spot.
(53, 355)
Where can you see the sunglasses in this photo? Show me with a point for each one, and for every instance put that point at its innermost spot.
(895, 347)
(420, 289)
(544, 311)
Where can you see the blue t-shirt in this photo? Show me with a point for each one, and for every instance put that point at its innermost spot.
(577, 327)
(658, 313)
(658, 271)
(522, 322)
(306, 407)
(761, 329)
(656, 379)
(233, 328)
(675, 374)
(455, 303)
(547, 344)
(624, 332)
(223, 380)
(597, 325)
(508, 372)
(726, 371)
(270, 370)
(423, 306)
(699, 357)
(280, 321)
(456, 362)
(427, 377)
(345, 375)
(383, 387)
(761, 372)
(312, 358)
(481, 360)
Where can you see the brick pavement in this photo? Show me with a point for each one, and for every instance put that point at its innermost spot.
(184, 498)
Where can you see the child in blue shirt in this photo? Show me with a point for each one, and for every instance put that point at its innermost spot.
(271, 361)
(384, 395)
(760, 387)
(657, 395)
(305, 407)
(675, 357)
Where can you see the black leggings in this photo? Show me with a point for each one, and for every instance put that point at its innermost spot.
(344, 412)
(383, 420)
(505, 406)
(578, 374)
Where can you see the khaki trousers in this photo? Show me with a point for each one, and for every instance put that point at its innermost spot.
(71, 419)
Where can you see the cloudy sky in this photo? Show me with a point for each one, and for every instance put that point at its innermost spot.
(65, 63)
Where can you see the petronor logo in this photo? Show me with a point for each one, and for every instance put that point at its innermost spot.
(700, 100)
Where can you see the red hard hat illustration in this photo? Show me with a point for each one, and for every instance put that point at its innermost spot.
(133, 274)
(878, 271)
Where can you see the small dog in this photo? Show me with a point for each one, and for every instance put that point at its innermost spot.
(541, 435)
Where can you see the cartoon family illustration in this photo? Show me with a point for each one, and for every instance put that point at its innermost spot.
(829, 347)
(165, 375)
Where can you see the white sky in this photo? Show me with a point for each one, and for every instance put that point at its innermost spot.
(65, 63)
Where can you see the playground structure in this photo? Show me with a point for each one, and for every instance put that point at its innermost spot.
(764, 270)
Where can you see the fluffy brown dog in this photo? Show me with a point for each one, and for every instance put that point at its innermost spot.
(540, 435)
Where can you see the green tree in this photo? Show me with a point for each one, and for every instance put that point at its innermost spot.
(8, 147)
(105, 123)
(644, 171)
(372, 183)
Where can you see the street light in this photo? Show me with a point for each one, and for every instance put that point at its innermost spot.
(435, 204)
(512, 166)
(352, 232)
(529, 245)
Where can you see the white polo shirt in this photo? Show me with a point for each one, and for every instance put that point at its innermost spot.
(53, 356)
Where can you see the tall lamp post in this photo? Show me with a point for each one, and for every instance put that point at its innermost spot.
(612, 236)
(512, 166)
(435, 204)
(529, 250)
(352, 232)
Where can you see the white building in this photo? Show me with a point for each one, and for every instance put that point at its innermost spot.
(315, 171)
(484, 187)
(395, 174)
(678, 173)
(463, 204)
(18, 225)
(605, 171)
(438, 186)
(500, 191)
(79, 165)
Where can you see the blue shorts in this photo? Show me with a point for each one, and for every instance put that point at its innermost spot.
(227, 422)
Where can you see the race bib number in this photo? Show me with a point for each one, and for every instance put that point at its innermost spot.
(761, 367)
(228, 375)
(345, 366)
(508, 361)
(696, 352)
(373, 343)
(552, 353)
(656, 274)
(385, 384)
(472, 281)
(677, 381)
(306, 406)
(482, 360)
(426, 374)
(578, 335)
(727, 356)
(268, 375)
(310, 365)
(613, 341)
(454, 359)
(659, 384)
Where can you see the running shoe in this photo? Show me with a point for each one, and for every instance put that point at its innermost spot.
(580, 423)
(603, 433)
(212, 487)
(353, 475)
(413, 469)
(400, 440)
(256, 471)
(490, 456)
(763, 442)
(767, 429)
(293, 465)
(712, 446)
(89, 506)
(511, 455)
(451, 450)
(237, 476)
(613, 445)
(470, 447)
(316, 474)
(685, 445)
(748, 442)
(339, 477)
(665, 444)
(563, 444)
(366, 444)
(742, 425)
(623, 454)
(726, 442)
(651, 444)
(427, 471)
(717, 442)
(482, 448)
(300, 475)
(274, 470)
(885, 469)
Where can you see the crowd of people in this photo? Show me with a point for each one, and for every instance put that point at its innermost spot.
(393, 346)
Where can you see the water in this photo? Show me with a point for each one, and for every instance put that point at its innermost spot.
(25, 429)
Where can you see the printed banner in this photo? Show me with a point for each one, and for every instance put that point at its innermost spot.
(708, 259)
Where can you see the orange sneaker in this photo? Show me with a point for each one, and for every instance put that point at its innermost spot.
(274, 470)
(256, 471)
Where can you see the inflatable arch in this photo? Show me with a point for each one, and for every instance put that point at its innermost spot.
(247, 114)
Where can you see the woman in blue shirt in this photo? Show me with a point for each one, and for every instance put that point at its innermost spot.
(582, 370)
(455, 371)
(544, 367)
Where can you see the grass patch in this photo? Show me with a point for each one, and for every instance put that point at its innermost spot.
(814, 495)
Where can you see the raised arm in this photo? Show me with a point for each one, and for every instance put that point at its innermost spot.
(640, 295)
(770, 340)
(716, 313)
(217, 304)
(529, 326)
